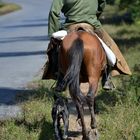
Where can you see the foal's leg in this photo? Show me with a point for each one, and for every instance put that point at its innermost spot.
(57, 128)
(55, 123)
(66, 125)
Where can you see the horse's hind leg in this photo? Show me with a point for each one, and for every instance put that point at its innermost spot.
(57, 129)
(90, 101)
(78, 120)
(78, 102)
(81, 115)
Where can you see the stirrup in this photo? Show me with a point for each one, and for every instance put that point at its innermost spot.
(109, 85)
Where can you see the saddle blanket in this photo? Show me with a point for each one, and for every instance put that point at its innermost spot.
(60, 35)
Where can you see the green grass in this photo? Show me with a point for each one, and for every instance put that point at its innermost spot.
(118, 111)
(35, 123)
(7, 8)
(121, 124)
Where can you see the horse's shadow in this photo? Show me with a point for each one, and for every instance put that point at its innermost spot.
(35, 93)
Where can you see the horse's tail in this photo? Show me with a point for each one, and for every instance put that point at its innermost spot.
(75, 57)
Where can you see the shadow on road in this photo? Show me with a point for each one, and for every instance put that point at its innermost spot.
(24, 38)
(7, 95)
(13, 54)
(27, 25)
(36, 20)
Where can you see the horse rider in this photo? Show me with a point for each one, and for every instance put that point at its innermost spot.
(85, 14)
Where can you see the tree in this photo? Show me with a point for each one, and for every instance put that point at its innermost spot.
(111, 2)
(132, 7)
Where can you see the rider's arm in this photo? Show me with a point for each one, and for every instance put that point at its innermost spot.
(54, 16)
(101, 6)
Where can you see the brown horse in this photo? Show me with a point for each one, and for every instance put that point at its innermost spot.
(81, 59)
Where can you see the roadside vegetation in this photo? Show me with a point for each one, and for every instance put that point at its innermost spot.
(117, 112)
(6, 8)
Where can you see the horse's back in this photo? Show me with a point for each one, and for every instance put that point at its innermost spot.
(90, 41)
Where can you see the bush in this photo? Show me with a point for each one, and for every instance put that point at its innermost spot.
(111, 2)
(132, 7)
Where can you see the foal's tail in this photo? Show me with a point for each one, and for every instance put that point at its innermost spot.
(75, 57)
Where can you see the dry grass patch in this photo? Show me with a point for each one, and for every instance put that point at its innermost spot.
(7, 8)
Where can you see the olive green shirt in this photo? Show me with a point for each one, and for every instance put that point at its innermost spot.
(75, 11)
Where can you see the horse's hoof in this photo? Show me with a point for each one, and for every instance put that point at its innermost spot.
(93, 126)
(85, 138)
(93, 134)
(65, 137)
(79, 125)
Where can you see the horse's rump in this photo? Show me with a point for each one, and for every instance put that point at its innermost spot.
(82, 52)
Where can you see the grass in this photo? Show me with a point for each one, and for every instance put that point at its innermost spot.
(35, 122)
(7, 8)
(118, 111)
(120, 125)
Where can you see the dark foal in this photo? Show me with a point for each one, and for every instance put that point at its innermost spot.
(81, 59)
(60, 111)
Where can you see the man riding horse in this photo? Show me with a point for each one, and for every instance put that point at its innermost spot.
(83, 14)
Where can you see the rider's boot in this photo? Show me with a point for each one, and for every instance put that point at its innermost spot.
(107, 84)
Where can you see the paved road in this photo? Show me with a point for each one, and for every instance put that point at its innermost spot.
(23, 41)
